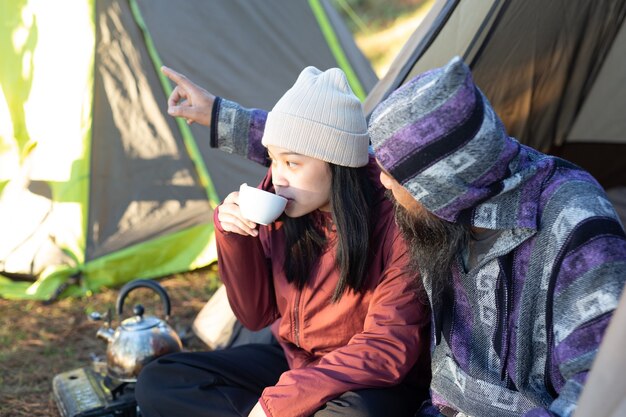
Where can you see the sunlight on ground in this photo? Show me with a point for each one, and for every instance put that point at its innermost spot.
(381, 47)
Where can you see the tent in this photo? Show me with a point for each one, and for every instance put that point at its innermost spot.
(555, 71)
(98, 185)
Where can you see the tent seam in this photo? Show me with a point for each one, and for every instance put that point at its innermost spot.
(188, 138)
(336, 49)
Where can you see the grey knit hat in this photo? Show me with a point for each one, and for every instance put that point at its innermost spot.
(320, 117)
(440, 138)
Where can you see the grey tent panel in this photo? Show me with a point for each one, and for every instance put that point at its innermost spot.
(602, 117)
(250, 52)
(538, 63)
(143, 185)
(247, 51)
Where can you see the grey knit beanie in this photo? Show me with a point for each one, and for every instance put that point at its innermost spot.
(440, 138)
(320, 117)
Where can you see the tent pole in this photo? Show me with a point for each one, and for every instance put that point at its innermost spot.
(190, 143)
(335, 48)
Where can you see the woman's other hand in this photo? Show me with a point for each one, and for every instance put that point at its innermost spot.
(231, 220)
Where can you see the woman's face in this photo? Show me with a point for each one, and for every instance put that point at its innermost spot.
(302, 180)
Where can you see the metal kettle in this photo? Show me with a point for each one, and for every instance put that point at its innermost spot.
(138, 339)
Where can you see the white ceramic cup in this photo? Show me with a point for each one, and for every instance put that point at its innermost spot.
(260, 206)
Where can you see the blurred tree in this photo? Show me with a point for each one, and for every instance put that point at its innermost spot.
(370, 15)
(381, 28)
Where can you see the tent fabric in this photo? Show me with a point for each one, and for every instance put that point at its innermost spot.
(607, 93)
(254, 66)
(554, 71)
(101, 186)
(142, 180)
(41, 218)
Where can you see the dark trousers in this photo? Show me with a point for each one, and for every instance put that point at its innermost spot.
(229, 383)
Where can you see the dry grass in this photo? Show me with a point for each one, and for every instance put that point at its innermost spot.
(40, 341)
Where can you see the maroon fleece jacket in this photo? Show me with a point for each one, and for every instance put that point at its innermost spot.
(374, 338)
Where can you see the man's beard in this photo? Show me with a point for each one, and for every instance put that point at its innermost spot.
(434, 245)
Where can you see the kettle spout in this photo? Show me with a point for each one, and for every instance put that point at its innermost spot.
(106, 334)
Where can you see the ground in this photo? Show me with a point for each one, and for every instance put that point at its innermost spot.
(39, 341)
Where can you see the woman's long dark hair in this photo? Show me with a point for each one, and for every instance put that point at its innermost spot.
(351, 200)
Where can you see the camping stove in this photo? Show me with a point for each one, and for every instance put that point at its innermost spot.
(90, 392)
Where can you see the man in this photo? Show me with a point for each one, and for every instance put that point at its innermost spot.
(521, 253)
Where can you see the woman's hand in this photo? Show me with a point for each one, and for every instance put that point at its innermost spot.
(231, 220)
(189, 100)
(257, 411)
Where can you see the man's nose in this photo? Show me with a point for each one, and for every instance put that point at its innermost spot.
(386, 181)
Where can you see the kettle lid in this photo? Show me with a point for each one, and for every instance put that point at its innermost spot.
(137, 323)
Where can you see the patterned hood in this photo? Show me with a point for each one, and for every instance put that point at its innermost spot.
(440, 138)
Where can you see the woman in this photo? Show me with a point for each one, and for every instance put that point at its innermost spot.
(331, 276)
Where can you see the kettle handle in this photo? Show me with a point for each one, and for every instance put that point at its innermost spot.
(143, 283)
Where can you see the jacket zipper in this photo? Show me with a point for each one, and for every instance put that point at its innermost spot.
(506, 337)
(502, 322)
(505, 290)
(296, 319)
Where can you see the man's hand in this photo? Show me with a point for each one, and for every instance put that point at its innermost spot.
(189, 100)
(231, 220)
(257, 411)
